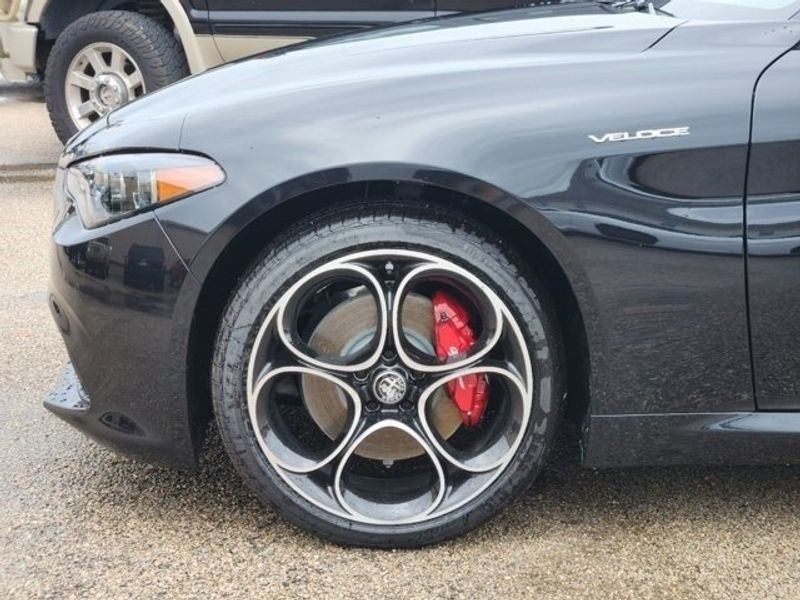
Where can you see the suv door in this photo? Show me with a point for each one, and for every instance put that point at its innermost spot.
(773, 232)
(445, 6)
(243, 27)
(448, 6)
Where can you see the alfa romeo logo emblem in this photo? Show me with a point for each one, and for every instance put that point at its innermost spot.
(389, 387)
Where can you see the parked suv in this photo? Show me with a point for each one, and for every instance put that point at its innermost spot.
(96, 55)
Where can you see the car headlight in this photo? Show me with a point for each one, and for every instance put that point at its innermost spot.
(109, 188)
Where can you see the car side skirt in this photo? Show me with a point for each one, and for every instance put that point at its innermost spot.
(734, 438)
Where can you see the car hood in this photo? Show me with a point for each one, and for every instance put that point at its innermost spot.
(431, 47)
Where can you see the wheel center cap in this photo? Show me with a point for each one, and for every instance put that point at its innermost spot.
(389, 386)
(109, 91)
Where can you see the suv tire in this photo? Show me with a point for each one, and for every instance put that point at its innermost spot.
(150, 57)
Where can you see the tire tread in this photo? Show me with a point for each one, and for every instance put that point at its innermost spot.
(157, 52)
(352, 220)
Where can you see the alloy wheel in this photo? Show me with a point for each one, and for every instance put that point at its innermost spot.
(351, 405)
(100, 78)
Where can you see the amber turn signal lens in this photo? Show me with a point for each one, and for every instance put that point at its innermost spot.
(177, 182)
(109, 188)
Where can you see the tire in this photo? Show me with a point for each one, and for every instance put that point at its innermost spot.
(387, 226)
(155, 52)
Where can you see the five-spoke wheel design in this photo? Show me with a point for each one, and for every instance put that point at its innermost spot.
(354, 409)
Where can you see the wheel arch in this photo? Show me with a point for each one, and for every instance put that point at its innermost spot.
(53, 17)
(219, 265)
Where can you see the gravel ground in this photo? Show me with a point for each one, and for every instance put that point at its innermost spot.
(79, 522)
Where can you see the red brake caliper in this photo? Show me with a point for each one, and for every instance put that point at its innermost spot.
(454, 338)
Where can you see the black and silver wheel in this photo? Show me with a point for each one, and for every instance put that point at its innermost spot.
(104, 60)
(387, 381)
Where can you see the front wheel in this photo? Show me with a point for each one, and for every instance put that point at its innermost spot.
(388, 378)
(104, 60)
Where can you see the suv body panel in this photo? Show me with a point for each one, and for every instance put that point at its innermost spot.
(212, 32)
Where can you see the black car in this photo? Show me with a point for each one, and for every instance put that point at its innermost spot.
(397, 258)
(97, 55)
(144, 268)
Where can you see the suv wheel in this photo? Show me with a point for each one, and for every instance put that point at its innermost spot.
(104, 60)
(338, 377)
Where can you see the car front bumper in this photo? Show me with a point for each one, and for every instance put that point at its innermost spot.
(127, 339)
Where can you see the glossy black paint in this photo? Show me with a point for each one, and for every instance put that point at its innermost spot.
(478, 5)
(322, 18)
(124, 336)
(497, 108)
(299, 23)
(321, 5)
(773, 231)
(709, 438)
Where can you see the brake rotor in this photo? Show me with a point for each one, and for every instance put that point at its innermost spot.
(339, 333)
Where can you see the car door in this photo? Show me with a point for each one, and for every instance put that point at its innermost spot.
(773, 233)
(243, 27)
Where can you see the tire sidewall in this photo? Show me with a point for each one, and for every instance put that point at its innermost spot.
(80, 34)
(275, 271)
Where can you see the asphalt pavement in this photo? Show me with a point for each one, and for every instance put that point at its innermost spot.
(77, 521)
